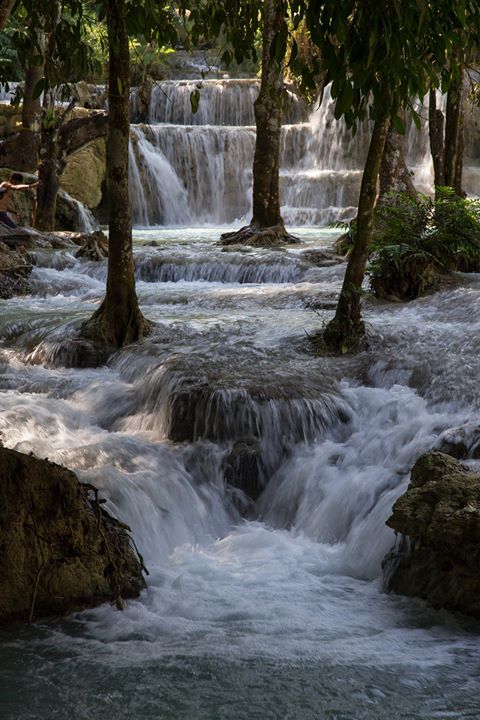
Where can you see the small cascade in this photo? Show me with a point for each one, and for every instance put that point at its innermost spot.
(222, 102)
(183, 173)
(221, 267)
(187, 165)
(198, 166)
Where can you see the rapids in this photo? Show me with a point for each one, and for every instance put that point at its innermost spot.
(277, 613)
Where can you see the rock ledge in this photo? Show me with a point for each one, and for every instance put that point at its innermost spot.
(59, 550)
(437, 556)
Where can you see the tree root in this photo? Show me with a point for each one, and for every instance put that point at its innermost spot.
(335, 339)
(275, 236)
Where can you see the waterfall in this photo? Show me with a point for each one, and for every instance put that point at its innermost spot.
(199, 165)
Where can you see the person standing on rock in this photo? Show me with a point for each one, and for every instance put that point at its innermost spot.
(14, 184)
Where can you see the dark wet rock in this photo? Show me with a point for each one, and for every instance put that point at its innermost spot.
(94, 246)
(321, 258)
(60, 551)
(25, 237)
(461, 442)
(237, 248)
(61, 241)
(15, 269)
(70, 352)
(402, 280)
(243, 467)
(438, 556)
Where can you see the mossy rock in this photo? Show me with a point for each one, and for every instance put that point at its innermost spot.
(439, 520)
(59, 550)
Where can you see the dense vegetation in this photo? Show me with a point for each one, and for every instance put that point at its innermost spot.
(417, 240)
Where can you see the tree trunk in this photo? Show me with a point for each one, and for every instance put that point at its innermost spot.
(48, 183)
(268, 119)
(394, 174)
(266, 226)
(454, 136)
(436, 122)
(5, 10)
(118, 320)
(347, 329)
(31, 109)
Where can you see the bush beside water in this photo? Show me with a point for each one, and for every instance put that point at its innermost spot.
(417, 240)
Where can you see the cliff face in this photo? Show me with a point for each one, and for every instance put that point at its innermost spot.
(59, 550)
(438, 555)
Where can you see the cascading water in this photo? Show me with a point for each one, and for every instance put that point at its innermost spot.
(280, 614)
(257, 607)
(187, 165)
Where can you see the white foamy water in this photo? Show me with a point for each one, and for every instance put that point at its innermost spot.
(281, 614)
(197, 167)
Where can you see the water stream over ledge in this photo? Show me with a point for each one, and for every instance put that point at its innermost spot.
(278, 614)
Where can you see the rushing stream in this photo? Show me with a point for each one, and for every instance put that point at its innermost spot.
(280, 615)
(254, 611)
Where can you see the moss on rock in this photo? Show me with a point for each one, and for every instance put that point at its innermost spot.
(59, 550)
(439, 518)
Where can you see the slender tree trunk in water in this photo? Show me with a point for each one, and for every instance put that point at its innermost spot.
(268, 119)
(347, 328)
(436, 123)
(266, 226)
(118, 320)
(454, 136)
(5, 10)
(394, 174)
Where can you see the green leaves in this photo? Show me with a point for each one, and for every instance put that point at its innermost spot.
(401, 46)
(417, 238)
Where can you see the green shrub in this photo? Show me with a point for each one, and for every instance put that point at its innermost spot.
(418, 239)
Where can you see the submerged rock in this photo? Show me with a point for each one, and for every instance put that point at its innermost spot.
(322, 258)
(243, 467)
(437, 557)
(60, 551)
(461, 442)
(69, 352)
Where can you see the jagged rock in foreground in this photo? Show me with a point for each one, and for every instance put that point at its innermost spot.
(439, 518)
(59, 550)
(14, 271)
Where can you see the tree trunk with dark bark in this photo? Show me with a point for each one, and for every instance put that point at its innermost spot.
(266, 226)
(48, 183)
(118, 320)
(394, 174)
(436, 125)
(347, 330)
(454, 141)
(5, 10)
(31, 108)
(268, 120)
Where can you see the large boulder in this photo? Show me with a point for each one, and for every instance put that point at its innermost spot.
(437, 555)
(84, 173)
(70, 213)
(59, 550)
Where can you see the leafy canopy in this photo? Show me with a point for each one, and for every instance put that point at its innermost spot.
(380, 55)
